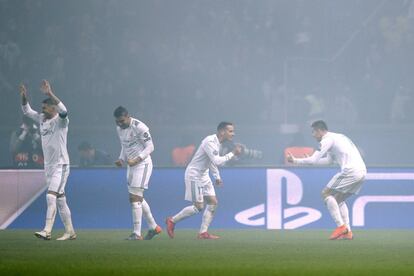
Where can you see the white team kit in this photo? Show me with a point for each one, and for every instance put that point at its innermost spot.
(338, 148)
(56, 161)
(136, 142)
(197, 180)
(54, 138)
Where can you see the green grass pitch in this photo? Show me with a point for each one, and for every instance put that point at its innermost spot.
(238, 252)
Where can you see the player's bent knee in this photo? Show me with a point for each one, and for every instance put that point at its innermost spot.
(340, 197)
(135, 198)
(212, 208)
(135, 194)
(325, 193)
(211, 200)
(199, 206)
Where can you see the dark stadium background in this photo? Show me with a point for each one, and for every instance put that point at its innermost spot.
(182, 66)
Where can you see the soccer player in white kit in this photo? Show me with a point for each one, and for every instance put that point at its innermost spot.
(53, 129)
(136, 147)
(336, 147)
(198, 185)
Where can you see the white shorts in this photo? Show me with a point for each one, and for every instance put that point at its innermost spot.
(56, 177)
(197, 188)
(347, 182)
(138, 176)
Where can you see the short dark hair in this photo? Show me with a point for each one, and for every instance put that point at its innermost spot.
(120, 111)
(84, 146)
(49, 101)
(320, 125)
(223, 125)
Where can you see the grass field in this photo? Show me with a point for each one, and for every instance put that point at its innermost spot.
(238, 252)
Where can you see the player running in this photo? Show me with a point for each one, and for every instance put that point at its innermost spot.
(198, 185)
(136, 147)
(54, 130)
(335, 147)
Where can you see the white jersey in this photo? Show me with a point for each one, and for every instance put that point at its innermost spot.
(136, 141)
(54, 134)
(207, 157)
(336, 147)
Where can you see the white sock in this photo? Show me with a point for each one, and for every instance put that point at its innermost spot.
(207, 217)
(146, 211)
(185, 213)
(50, 213)
(343, 209)
(65, 214)
(137, 216)
(333, 209)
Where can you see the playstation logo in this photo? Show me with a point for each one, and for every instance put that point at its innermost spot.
(274, 216)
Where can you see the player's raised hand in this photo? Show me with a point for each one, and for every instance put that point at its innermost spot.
(46, 88)
(23, 93)
(289, 157)
(118, 163)
(22, 90)
(219, 182)
(237, 149)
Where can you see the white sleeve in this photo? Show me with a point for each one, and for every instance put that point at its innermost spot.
(214, 171)
(146, 140)
(213, 153)
(63, 115)
(122, 155)
(149, 148)
(61, 109)
(29, 112)
(316, 157)
(325, 160)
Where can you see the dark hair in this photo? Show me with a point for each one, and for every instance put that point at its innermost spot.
(223, 125)
(319, 125)
(84, 146)
(120, 111)
(49, 101)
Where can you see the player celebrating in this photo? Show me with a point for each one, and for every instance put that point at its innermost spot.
(54, 129)
(198, 185)
(339, 148)
(136, 147)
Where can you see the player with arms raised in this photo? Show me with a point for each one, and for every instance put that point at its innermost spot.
(54, 130)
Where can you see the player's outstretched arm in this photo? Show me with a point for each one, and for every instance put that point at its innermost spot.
(218, 160)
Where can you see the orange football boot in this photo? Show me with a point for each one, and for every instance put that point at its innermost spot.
(347, 236)
(170, 227)
(207, 236)
(338, 232)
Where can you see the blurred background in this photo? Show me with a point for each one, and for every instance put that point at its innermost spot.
(182, 66)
